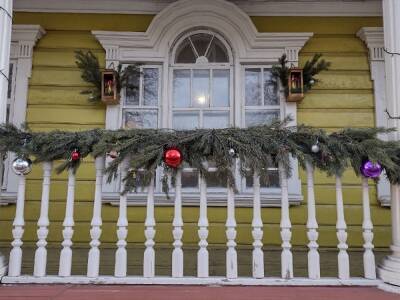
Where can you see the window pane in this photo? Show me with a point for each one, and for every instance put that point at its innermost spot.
(150, 86)
(255, 118)
(201, 87)
(215, 180)
(181, 93)
(190, 179)
(253, 87)
(218, 119)
(185, 120)
(220, 88)
(10, 81)
(271, 179)
(132, 92)
(270, 89)
(140, 119)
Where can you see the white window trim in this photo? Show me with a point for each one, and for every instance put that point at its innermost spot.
(373, 38)
(23, 39)
(248, 46)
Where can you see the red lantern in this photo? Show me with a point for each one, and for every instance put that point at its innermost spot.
(172, 157)
(75, 155)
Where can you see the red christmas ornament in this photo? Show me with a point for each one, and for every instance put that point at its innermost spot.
(75, 155)
(172, 157)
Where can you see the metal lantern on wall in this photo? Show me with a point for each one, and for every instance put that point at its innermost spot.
(109, 92)
(295, 85)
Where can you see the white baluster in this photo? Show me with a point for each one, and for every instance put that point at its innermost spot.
(369, 258)
(343, 257)
(312, 226)
(18, 231)
(149, 232)
(122, 232)
(231, 255)
(286, 226)
(66, 252)
(202, 254)
(177, 253)
(95, 232)
(43, 222)
(257, 224)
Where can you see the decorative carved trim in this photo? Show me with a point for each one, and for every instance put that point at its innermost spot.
(23, 39)
(373, 38)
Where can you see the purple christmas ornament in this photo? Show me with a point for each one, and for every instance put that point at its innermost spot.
(370, 170)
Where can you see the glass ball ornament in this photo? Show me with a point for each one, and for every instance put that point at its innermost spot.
(232, 152)
(312, 81)
(113, 154)
(22, 166)
(315, 148)
(172, 157)
(75, 155)
(370, 170)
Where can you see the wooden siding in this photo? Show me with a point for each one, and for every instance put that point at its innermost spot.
(343, 98)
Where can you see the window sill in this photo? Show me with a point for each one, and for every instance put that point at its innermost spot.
(192, 199)
(7, 198)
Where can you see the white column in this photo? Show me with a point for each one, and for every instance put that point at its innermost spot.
(18, 231)
(368, 235)
(231, 254)
(95, 233)
(202, 254)
(286, 226)
(121, 256)
(177, 253)
(312, 226)
(68, 232)
(389, 270)
(149, 258)
(343, 257)
(43, 223)
(257, 224)
(5, 44)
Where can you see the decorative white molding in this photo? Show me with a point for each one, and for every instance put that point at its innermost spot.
(23, 39)
(373, 38)
(251, 7)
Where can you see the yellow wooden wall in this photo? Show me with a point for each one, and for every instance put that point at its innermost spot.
(343, 98)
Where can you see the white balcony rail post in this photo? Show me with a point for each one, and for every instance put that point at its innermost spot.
(369, 257)
(231, 254)
(257, 224)
(177, 253)
(202, 254)
(68, 232)
(43, 223)
(343, 257)
(95, 231)
(312, 226)
(121, 257)
(149, 232)
(15, 262)
(286, 226)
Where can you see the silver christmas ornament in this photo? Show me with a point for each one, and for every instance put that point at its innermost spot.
(312, 81)
(22, 166)
(315, 148)
(232, 152)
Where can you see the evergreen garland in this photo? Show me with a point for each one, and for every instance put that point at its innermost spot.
(311, 68)
(89, 65)
(255, 147)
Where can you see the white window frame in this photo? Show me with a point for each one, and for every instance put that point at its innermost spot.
(249, 47)
(23, 39)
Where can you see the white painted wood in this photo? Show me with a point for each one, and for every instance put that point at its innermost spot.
(286, 226)
(149, 232)
(177, 253)
(43, 223)
(257, 224)
(68, 232)
(343, 257)
(15, 262)
(95, 232)
(231, 254)
(162, 280)
(121, 256)
(252, 8)
(202, 254)
(369, 257)
(312, 226)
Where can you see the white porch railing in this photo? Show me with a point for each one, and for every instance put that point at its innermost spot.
(259, 271)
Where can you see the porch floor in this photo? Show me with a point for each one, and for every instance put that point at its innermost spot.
(158, 292)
